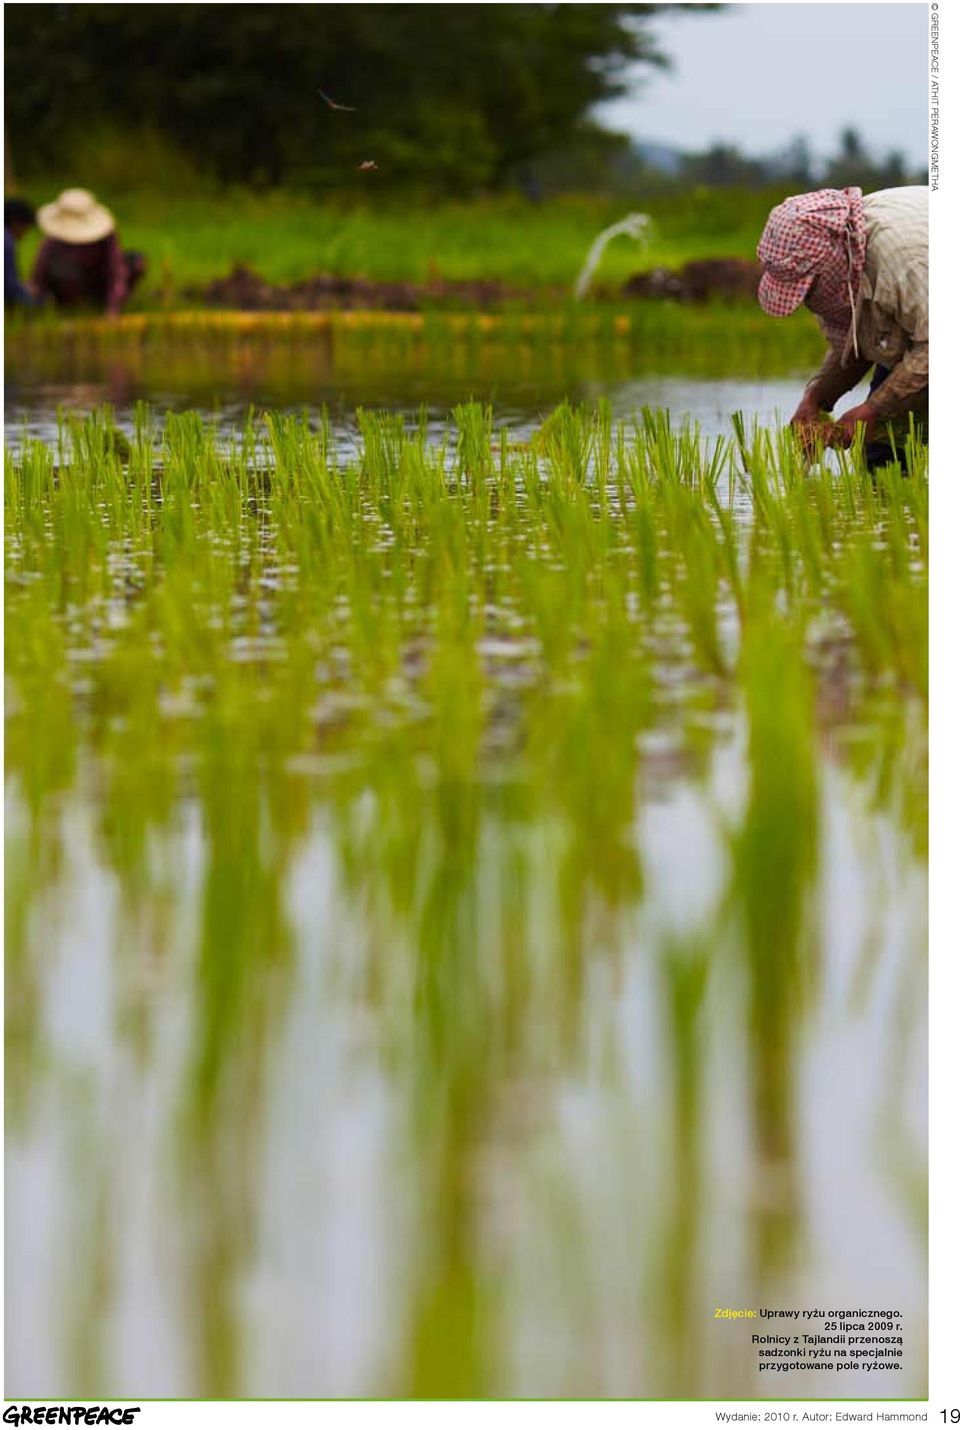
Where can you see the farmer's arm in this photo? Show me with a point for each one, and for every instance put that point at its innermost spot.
(39, 278)
(912, 373)
(898, 392)
(830, 382)
(834, 378)
(116, 276)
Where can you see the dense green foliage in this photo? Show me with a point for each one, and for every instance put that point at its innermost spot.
(454, 96)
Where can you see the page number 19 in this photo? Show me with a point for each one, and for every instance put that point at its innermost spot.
(951, 1417)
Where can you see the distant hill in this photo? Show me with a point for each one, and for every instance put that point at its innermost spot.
(665, 158)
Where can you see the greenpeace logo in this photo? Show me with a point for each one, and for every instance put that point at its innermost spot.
(69, 1414)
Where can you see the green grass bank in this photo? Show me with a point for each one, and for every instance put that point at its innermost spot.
(194, 237)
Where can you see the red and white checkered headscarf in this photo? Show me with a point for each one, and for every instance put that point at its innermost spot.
(813, 248)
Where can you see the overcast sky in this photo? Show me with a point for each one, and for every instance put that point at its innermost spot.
(757, 75)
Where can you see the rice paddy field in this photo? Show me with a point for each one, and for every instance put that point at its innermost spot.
(194, 234)
(466, 863)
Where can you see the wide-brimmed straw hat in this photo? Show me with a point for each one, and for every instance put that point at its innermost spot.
(75, 217)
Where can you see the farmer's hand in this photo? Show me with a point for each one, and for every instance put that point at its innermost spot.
(814, 436)
(845, 429)
(812, 427)
(807, 412)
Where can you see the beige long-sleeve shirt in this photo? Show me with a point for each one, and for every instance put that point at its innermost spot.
(892, 308)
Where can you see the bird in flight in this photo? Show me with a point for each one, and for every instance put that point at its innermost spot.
(367, 164)
(332, 103)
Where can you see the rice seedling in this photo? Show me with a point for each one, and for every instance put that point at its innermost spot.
(356, 748)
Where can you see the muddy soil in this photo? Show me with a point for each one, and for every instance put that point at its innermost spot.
(698, 281)
(245, 289)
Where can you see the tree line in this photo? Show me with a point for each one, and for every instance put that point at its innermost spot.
(457, 96)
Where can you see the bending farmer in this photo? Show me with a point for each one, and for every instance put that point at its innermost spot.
(80, 262)
(860, 265)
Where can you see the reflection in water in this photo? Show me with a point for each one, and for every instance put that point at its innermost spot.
(443, 908)
(685, 969)
(774, 862)
(522, 385)
(519, 406)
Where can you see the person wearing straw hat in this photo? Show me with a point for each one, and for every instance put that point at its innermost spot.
(80, 263)
(860, 265)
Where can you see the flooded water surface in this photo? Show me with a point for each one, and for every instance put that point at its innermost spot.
(465, 891)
